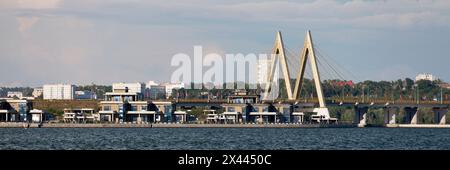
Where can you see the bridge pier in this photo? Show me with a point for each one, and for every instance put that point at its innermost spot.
(440, 115)
(411, 115)
(361, 116)
(390, 114)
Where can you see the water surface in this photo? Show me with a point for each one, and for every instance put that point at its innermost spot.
(224, 138)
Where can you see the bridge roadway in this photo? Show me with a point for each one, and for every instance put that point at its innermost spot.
(391, 108)
(330, 102)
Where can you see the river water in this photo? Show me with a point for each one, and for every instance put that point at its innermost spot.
(224, 138)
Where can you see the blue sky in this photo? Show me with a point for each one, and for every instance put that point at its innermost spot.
(105, 41)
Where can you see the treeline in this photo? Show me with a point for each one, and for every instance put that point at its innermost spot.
(100, 90)
(402, 89)
(405, 89)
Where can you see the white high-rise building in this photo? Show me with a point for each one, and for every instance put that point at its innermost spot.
(132, 87)
(58, 91)
(262, 70)
(426, 76)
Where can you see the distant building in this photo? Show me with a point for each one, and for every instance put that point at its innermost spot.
(426, 76)
(444, 85)
(37, 92)
(157, 92)
(58, 92)
(151, 83)
(170, 86)
(12, 94)
(262, 70)
(85, 95)
(131, 87)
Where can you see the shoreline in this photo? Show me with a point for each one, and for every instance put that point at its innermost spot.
(179, 125)
(173, 125)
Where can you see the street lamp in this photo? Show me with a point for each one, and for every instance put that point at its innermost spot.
(363, 93)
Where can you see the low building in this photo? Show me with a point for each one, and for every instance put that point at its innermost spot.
(13, 94)
(85, 95)
(37, 116)
(426, 76)
(78, 115)
(37, 92)
(180, 116)
(226, 117)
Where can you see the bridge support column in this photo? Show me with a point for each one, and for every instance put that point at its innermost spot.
(411, 115)
(440, 115)
(390, 114)
(361, 116)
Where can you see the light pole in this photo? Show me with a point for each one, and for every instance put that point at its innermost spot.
(363, 95)
(416, 86)
(442, 97)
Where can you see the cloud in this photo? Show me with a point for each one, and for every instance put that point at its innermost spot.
(30, 4)
(26, 23)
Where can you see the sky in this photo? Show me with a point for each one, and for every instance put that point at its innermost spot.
(106, 41)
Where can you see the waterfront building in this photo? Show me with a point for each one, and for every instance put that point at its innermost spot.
(36, 116)
(298, 117)
(179, 116)
(141, 111)
(244, 108)
(13, 110)
(17, 94)
(115, 105)
(226, 117)
(58, 92)
(124, 105)
(165, 110)
(77, 115)
(426, 76)
(37, 92)
(211, 116)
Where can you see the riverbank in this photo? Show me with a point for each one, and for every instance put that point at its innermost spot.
(417, 126)
(179, 125)
(168, 125)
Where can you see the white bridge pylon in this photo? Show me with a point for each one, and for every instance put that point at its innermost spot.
(306, 53)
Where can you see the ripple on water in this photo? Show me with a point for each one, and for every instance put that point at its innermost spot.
(223, 138)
